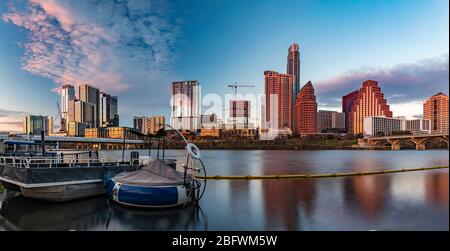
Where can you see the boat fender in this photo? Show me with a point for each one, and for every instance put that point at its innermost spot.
(193, 151)
(115, 191)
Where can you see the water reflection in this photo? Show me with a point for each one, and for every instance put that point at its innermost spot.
(27, 214)
(368, 193)
(92, 214)
(285, 200)
(436, 186)
(125, 218)
(408, 201)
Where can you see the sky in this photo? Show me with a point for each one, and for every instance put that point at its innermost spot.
(135, 49)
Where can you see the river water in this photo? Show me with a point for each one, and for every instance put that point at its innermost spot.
(400, 201)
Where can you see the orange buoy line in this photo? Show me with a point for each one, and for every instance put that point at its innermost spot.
(313, 176)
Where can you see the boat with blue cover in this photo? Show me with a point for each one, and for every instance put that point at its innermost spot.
(158, 185)
(155, 185)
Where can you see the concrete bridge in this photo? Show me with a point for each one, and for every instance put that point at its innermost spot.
(419, 140)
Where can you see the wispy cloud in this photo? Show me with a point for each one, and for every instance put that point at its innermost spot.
(401, 83)
(11, 120)
(120, 46)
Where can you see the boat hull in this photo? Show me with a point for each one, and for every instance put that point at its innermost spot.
(62, 193)
(147, 196)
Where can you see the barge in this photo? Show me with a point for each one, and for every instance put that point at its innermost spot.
(60, 178)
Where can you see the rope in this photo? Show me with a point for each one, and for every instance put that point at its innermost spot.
(311, 176)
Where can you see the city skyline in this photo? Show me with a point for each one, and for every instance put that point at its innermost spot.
(334, 68)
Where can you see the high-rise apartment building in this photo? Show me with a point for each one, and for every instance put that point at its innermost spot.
(279, 91)
(435, 109)
(369, 101)
(306, 110)
(91, 95)
(185, 114)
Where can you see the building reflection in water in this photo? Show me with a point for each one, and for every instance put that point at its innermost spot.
(286, 200)
(369, 192)
(436, 186)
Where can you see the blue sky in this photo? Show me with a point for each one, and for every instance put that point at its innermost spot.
(134, 49)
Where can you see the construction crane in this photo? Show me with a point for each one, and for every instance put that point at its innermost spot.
(236, 85)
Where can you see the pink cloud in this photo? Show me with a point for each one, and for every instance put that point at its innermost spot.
(78, 42)
(400, 83)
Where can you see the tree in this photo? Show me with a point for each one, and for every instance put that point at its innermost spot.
(379, 134)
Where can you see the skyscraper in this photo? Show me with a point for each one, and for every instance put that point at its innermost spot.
(34, 124)
(67, 94)
(306, 110)
(108, 110)
(435, 109)
(347, 102)
(79, 117)
(293, 68)
(114, 111)
(185, 105)
(278, 90)
(369, 101)
(85, 113)
(91, 95)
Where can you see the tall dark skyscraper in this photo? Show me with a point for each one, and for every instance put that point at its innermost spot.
(347, 102)
(91, 95)
(293, 68)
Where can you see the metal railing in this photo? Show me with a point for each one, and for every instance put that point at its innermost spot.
(55, 162)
